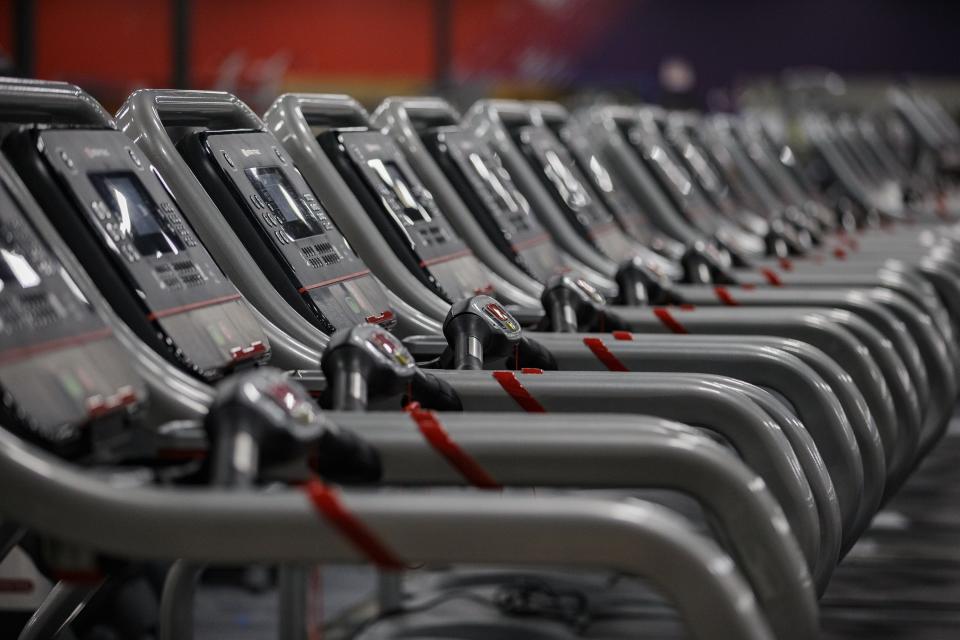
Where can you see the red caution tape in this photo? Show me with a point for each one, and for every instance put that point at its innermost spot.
(508, 380)
(604, 355)
(668, 320)
(748, 287)
(533, 370)
(438, 437)
(724, 296)
(686, 306)
(786, 264)
(839, 253)
(622, 335)
(327, 502)
(772, 277)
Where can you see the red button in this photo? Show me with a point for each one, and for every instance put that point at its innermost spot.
(381, 318)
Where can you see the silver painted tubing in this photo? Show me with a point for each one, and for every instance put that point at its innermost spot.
(855, 300)
(800, 441)
(700, 400)
(57, 610)
(177, 599)
(623, 452)
(26, 100)
(293, 614)
(224, 526)
(938, 358)
(917, 338)
(814, 327)
(760, 360)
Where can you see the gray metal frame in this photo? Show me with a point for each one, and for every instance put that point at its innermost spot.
(228, 526)
(625, 453)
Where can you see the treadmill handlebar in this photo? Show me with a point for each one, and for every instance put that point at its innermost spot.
(26, 101)
(425, 109)
(330, 109)
(189, 108)
(241, 526)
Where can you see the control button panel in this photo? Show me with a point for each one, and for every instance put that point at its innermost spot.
(568, 184)
(672, 176)
(280, 219)
(572, 191)
(412, 212)
(499, 206)
(168, 272)
(60, 365)
(620, 202)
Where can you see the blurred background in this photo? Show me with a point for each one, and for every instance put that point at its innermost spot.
(680, 52)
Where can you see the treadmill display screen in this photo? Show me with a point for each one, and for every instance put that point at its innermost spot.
(565, 181)
(490, 174)
(16, 270)
(279, 196)
(136, 214)
(410, 211)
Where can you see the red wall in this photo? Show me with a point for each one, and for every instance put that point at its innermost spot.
(363, 46)
(368, 38)
(73, 43)
(119, 44)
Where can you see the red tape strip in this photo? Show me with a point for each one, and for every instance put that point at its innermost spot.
(772, 277)
(724, 296)
(786, 264)
(438, 437)
(327, 502)
(622, 335)
(668, 320)
(604, 355)
(508, 380)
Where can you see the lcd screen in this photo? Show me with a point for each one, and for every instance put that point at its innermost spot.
(391, 175)
(488, 172)
(568, 185)
(279, 195)
(137, 214)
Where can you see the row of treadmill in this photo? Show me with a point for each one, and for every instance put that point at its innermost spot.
(606, 372)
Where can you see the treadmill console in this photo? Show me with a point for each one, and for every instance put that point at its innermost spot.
(488, 190)
(673, 179)
(405, 212)
(286, 229)
(688, 196)
(110, 204)
(63, 373)
(620, 203)
(571, 190)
